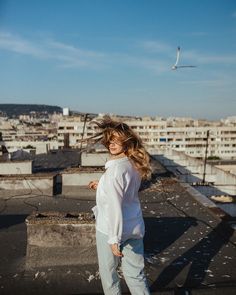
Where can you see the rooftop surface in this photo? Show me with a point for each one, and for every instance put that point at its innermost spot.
(188, 249)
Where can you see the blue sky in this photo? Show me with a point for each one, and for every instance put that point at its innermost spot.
(115, 56)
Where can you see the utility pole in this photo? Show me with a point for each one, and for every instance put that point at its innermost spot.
(205, 160)
(85, 120)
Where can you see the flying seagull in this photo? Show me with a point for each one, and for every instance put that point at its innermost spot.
(175, 66)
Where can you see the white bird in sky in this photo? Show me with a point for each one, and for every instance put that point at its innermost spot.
(175, 66)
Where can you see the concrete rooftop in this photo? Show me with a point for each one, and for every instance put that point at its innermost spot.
(188, 249)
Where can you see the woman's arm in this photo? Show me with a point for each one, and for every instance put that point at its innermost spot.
(114, 191)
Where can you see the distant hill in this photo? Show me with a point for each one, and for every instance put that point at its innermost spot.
(14, 110)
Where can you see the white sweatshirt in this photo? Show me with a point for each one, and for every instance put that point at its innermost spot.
(118, 212)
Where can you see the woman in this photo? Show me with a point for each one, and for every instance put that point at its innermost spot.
(119, 222)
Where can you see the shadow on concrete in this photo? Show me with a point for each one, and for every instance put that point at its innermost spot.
(162, 232)
(11, 220)
(189, 269)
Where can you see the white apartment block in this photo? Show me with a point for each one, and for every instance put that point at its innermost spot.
(182, 134)
(71, 130)
(191, 137)
(20, 136)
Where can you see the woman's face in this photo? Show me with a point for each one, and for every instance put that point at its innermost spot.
(115, 147)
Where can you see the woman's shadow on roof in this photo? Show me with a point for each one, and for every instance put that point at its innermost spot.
(163, 232)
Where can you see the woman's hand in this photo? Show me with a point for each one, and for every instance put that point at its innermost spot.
(116, 251)
(93, 184)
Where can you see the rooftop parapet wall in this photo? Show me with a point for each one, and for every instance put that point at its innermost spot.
(75, 178)
(94, 159)
(40, 146)
(15, 167)
(230, 168)
(57, 239)
(20, 185)
(190, 170)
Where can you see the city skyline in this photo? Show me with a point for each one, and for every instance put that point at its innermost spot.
(116, 57)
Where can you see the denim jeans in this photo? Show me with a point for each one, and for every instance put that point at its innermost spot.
(132, 264)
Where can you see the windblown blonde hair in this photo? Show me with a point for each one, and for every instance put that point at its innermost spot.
(133, 147)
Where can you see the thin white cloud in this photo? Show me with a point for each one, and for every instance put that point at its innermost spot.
(213, 80)
(156, 46)
(70, 56)
(199, 58)
(234, 14)
(16, 44)
(66, 55)
(74, 50)
(155, 65)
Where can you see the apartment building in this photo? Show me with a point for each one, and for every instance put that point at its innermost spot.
(183, 134)
(72, 129)
(191, 138)
(16, 135)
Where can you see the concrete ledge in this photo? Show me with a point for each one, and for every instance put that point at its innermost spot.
(191, 170)
(19, 185)
(15, 167)
(73, 179)
(198, 196)
(94, 159)
(57, 239)
(82, 193)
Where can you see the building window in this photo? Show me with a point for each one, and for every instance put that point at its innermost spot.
(162, 139)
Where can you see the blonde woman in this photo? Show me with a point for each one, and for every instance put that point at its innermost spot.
(119, 221)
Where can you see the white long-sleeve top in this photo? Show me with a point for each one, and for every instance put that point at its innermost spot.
(118, 212)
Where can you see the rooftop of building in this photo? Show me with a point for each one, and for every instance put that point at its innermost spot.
(188, 248)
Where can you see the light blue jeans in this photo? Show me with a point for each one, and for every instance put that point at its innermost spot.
(132, 264)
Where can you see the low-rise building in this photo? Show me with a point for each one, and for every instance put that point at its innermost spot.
(35, 135)
(182, 134)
